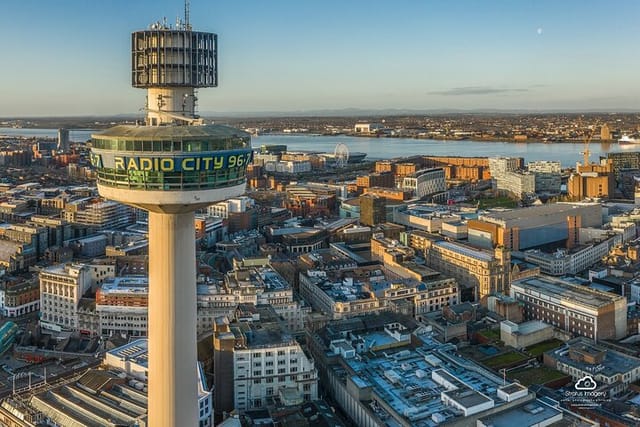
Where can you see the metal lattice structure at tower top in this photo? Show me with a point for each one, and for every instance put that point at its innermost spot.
(171, 62)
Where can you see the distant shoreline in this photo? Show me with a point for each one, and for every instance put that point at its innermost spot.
(444, 140)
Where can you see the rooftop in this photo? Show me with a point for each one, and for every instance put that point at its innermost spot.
(128, 284)
(530, 414)
(467, 397)
(156, 133)
(532, 326)
(403, 379)
(566, 292)
(612, 364)
(466, 251)
(97, 397)
(266, 332)
(135, 351)
(532, 211)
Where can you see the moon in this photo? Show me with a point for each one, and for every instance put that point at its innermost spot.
(539, 31)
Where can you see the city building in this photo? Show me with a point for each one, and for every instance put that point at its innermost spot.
(288, 166)
(623, 160)
(401, 286)
(571, 261)
(479, 272)
(376, 179)
(133, 358)
(368, 128)
(255, 360)
(388, 370)
(592, 180)
(426, 182)
(233, 205)
(460, 168)
(517, 184)
(548, 175)
(171, 166)
(499, 166)
(86, 399)
(98, 214)
(63, 140)
(605, 132)
(395, 194)
(298, 240)
(578, 310)
(525, 334)
(121, 306)
(350, 208)
(537, 413)
(372, 209)
(19, 296)
(255, 282)
(240, 213)
(508, 177)
(210, 230)
(121, 303)
(61, 288)
(612, 371)
(526, 228)
(427, 217)
(311, 199)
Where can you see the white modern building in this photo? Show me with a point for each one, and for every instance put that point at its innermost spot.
(499, 166)
(545, 166)
(426, 182)
(518, 184)
(288, 166)
(232, 205)
(367, 128)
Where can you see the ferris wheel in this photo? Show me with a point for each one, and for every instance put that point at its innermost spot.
(341, 155)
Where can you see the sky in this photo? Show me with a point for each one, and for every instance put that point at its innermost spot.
(71, 57)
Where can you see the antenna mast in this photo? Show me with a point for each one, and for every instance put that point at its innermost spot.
(187, 25)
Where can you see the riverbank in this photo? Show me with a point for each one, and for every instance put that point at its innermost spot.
(443, 138)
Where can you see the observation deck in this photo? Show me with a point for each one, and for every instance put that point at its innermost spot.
(171, 165)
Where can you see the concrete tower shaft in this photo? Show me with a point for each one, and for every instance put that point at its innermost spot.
(173, 385)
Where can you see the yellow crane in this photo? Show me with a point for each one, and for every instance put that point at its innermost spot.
(587, 139)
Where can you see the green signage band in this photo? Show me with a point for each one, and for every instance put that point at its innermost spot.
(175, 163)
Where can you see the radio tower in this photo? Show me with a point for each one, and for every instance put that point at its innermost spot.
(172, 166)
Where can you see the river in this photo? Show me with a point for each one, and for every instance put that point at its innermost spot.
(385, 148)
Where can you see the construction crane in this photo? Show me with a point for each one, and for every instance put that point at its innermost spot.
(587, 139)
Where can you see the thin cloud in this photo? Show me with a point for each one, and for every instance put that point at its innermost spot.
(476, 90)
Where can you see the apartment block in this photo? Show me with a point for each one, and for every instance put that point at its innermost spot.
(256, 361)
